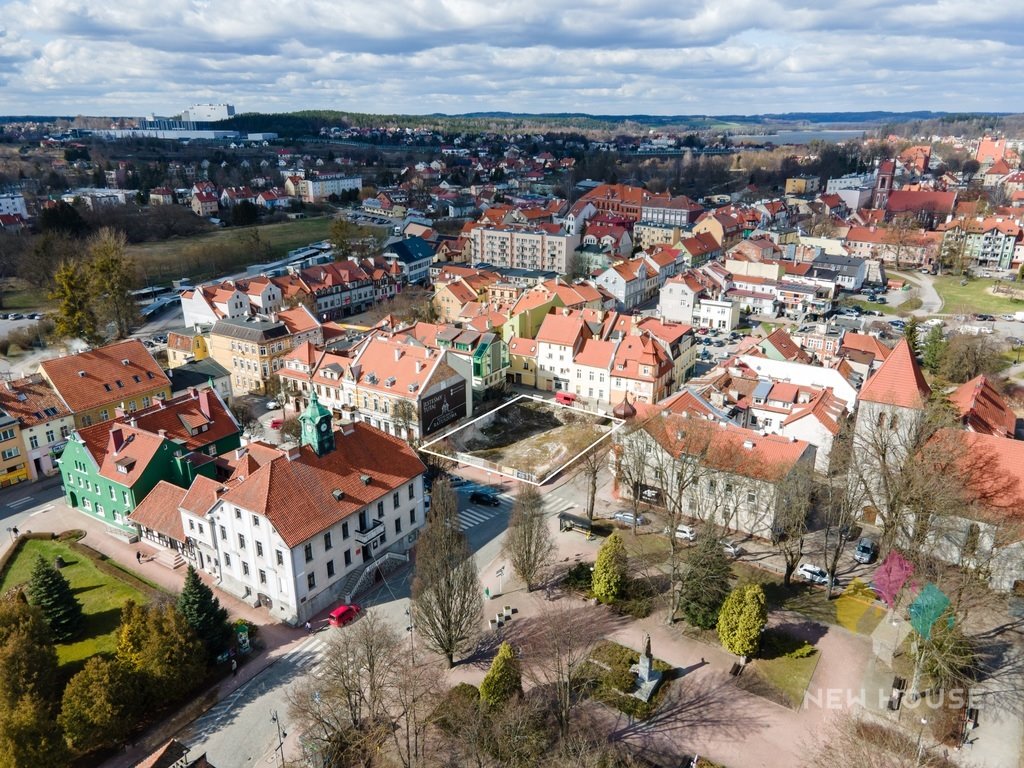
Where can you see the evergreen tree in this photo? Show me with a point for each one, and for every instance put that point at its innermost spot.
(157, 643)
(933, 350)
(705, 582)
(741, 620)
(112, 277)
(74, 318)
(203, 612)
(101, 705)
(912, 333)
(29, 689)
(504, 679)
(48, 589)
(610, 569)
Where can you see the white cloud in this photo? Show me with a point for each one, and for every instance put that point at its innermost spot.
(600, 56)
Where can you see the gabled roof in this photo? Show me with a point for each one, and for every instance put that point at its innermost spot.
(105, 375)
(898, 381)
(862, 342)
(596, 354)
(826, 408)
(159, 510)
(563, 330)
(32, 401)
(783, 343)
(521, 347)
(983, 409)
(297, 495)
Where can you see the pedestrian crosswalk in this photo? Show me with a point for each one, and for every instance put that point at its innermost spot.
(473, 516)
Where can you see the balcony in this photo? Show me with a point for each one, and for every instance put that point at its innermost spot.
(374, 530)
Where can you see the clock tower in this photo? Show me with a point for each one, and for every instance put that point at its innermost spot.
(317, 431)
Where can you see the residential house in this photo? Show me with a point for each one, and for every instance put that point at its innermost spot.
(13, 461)
(414, 256)
(627, 282)
(918, 248)
(187, 345)
(983, 410)
(738, 473)
(319, 187)
(44, 423)
(522, 353)
(94, 383)
(642, 370)
(536, 247)
(987, 242)
(778, 345)
(252, 350)
(206, 304)
(300, 529)
(109, 468)
(205, 204)
(200, 374)
(559, 339)
(802, 185)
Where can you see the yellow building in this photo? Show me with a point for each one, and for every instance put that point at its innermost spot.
(96, 382)
(802, 185)
(522, 356)
(252, 351)
(13, 461)
(186, 345)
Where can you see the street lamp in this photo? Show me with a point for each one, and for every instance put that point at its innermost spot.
(411, 629)
(281, 735)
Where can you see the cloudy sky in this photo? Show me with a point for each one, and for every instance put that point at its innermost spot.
(135, 57)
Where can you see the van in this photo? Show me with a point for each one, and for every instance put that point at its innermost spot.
(565, 398)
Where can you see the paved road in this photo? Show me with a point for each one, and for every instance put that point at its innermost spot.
(21, 504)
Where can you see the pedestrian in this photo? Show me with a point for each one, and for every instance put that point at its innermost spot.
(702, 660)
(14, 530)
(309, 627)
(138, 557)
(234, 667)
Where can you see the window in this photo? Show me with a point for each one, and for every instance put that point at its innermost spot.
(412, 492)
(10, 453)
(104, 415)
(227, 559)
(238, 514)
(245, 568)
(256, 521)
(49, 436)
(124, 497)
(398, 525)
(412, 516)
(145, 400)
(380, 510)
(263, 576)
(241, 541)
(33, 441)
(259, 548)
(330, 569)
(308, 552)
(344, 530)
(5, 435)
(223, 533)
(99, 510)
(279, 557)
(201, 532)
(395, 501)
(191, 525)
(327, 541)
(348, 557)
(311, 580)
(751, 497)
(113, 493)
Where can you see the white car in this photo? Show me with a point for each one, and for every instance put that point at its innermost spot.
(684, 532)
(273, 405)
(627, 518)
(814, 574)
(732, 549)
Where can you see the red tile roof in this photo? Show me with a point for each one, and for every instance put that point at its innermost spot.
(898, 381)
(983, 409)
(297, 495)
(563, 330)
(106, 375)
(32, 401)
(783, 343)
(159, 510)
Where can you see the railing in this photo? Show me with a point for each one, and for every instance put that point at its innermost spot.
(395, 558)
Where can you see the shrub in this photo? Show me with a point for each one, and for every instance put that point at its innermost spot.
(743, 616)
(579, 577)
(610, 569)
(503, 680)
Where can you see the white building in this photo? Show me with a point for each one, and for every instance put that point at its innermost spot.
(318, 188)
(13, 205)
(208, 113)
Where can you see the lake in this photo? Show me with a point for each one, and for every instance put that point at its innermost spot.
(796, 137)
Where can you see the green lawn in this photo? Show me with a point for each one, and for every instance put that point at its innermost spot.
(777, 675)
(975, 296)
(100, 594)
(184, 256)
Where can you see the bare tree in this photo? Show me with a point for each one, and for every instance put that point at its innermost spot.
(901, 234)
(839, 508)
(854, 741)
(794, 499)
(447, 599)
(631, 466)
(591, 462)
(556, 647)
(528, 544)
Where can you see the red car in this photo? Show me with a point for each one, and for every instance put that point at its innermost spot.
(276, 423)
(342, 615)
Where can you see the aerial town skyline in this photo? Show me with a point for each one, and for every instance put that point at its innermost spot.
(694, 58)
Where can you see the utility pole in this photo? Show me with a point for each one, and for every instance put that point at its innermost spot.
(281, 735)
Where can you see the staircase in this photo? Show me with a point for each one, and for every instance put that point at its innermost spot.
(170, 558)
(361, 578)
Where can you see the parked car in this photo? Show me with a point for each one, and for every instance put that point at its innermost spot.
(881, 300)
(872, 297)
(683, 532)
(276, 423)
(814, 574)
(343, 615)
(273, 405)
(626, 518)
(731, 549)
(866, 551)
(486, 498)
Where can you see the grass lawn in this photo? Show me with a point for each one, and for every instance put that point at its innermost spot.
(101, 596)
(974, 297)
(854, 609)
(778, 675)
(161, 261)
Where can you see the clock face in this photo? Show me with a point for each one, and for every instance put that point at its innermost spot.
(323, 426)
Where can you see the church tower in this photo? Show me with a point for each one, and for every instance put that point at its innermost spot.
(317, 431)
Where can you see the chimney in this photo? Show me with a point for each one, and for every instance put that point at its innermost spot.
(292, 451)
(748, 444)
(162, 432)
(204, 404)
(240, 452)
(119, 411)
(398, 354)
(117, 438)
(419, 366)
